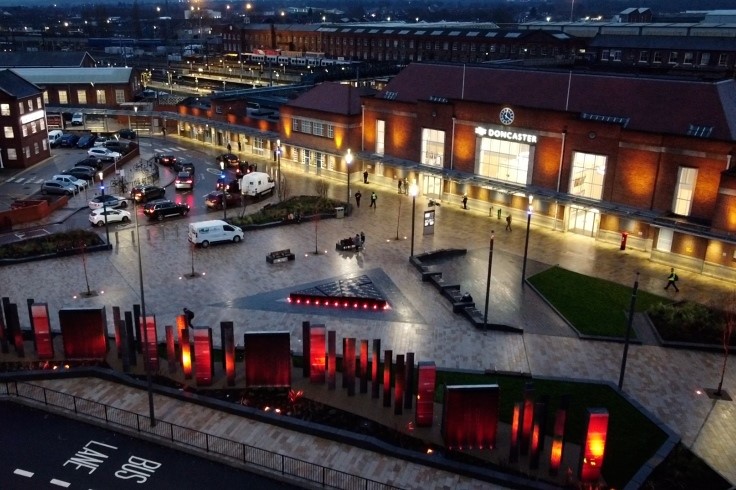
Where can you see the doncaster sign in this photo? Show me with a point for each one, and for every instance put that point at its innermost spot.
(506, 135)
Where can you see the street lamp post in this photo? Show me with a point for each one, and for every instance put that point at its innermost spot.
(488, 281)
(224, 190)
(135, 110)
(398, 219)
(348, 161)
(629, 323)
(104, 207)
(413, 191)
(147, 357)
(526, 241)
(278, 165)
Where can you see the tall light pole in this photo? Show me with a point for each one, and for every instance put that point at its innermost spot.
(135, 110)
(104, 208)
(628, 332)
(398, 219)
(413, 191)
(224, 190)
(488, 281)
(348, 161)
(278, 167)
(526, 241)
(147, 357)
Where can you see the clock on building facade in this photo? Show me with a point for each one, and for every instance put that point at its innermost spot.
(506, 116)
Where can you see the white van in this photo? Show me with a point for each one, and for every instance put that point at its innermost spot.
(256, 184)
(55, 137)
(205, 232)
(77, 119)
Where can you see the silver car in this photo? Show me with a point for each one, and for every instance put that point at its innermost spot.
(56, 187)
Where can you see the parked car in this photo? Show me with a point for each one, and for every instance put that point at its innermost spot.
(108, 201)
(128, 134)
(69, 140)
(97, 216)
(77, 119)
(90, 162)
(56, 187)
(204, 233)
(101, 140)
(180, 166)
(121, 147)
(145, 193)
(184, 180)
(84, 173)
(229, 159)
(69, 179)
(86, 141)
(165, 160)
(159, 210)
(103, 153)
(226, 183)
(213, 200)
(55, 136)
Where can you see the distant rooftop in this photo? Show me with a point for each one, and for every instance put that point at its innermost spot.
(107, 75)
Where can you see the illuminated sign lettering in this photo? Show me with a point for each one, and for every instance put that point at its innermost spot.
(506, 135)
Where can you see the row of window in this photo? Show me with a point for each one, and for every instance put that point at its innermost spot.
(5, 108)
(673, 57)
(100, 97)
(12, 153)
(309, 126)
(32, 127)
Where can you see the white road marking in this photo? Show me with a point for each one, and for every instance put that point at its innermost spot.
(60, 483)
(28, 474)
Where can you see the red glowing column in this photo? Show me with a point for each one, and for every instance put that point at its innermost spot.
(84, 331)
(375, 363)
(118, 331)
(387, 359)
(331, 359)
(348, 367)
(204, 365)
(427, 378)
(539, 429)
(267, 359)
(555, 455)
(515, 430)
(470, 416)
(315, 355)
(227, 336)
(364, 366)
(150, 326)
(42, 331)
(409, 383)
(186, 350)
(399, 379)
(527, 419)
(170, 348)
(595, 445)
(306, 348)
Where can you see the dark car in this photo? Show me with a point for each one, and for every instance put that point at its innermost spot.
(213, 200)
(84, 173)
(128, 134)
(244, 168)
(184, 167)
(121, 147)
(184, 180)
(92, 162)
(165, 160)
(162, 209)
(233, 185)
(69, 140)
(86, 141)
(145, 193)
(229, 159)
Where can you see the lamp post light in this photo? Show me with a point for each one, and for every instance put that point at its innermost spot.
(526, 241)
(278, 165)
(413, 191)
(224, 190)
(629, 323)
(488, 281)
(104, 207)
(348, 161)
(135, 110)
(147, 357)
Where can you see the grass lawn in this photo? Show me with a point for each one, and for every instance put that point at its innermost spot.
(592, 305)
(632, 438)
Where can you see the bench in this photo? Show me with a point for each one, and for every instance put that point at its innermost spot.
(280, 256)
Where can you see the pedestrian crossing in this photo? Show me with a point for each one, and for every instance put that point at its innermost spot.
(23, 180)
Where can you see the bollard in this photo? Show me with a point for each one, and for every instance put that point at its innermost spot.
(148, 234)
(132, 236)
(117, 238)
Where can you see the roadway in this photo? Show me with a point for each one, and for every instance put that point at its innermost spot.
(42, 450)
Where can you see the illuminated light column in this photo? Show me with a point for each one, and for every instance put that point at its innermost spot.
(375, 361)
(413, 191)
(387, 359)
(515, 429)
(558, 436)
(526, 241)
(527, 419)
(348, 366)
(227, 336)
(399, 379)
(331, 359)
(186, 353)
(426, 382)
(364, 366)
(594, 449)
(316, 354)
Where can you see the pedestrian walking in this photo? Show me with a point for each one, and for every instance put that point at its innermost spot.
(365, 176)
(499, 213)
(400, 186)
(163, 131)
(358, 195)
(465, 201)
(357, 242)
(672, 280)
(229, 148)
(374, 198)
(508, 222)
(189, 314)
(362, 240)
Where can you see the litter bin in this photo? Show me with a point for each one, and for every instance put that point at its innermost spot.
(339, 212)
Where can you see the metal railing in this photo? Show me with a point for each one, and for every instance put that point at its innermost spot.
(202, 441)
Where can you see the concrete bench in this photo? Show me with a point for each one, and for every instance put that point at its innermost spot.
(280, 256)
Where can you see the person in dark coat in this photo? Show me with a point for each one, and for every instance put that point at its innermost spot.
(358, 195)
(189, 314)
(672, 280)
(374, 197)
(365, 176)
(465, 201)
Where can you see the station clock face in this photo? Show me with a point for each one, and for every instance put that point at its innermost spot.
(506, 116)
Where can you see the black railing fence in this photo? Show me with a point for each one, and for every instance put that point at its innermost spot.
(202, 441)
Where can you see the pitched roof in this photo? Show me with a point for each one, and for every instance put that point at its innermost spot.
(16, 86)
(651, 104)
(38, 59)
(109, 75)
(336, 98)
